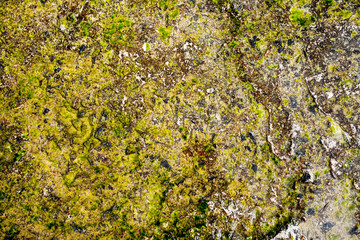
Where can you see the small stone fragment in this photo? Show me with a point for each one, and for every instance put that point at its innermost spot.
(165, 164)
(326, 227)
(46, 34)
(335, 168)
(306, 177)
(313, 108)
(293, 102)
(253, 41)
(251, 136)
(210, 90)
(354, 230)
(57, 70)
(82, 48)
(46, 111)
(278, 43)
(310, 212)
(242, 137)
(254, 167)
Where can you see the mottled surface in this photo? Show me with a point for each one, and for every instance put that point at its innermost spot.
(191, 119)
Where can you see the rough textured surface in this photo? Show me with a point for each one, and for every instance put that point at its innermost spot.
(193, 119)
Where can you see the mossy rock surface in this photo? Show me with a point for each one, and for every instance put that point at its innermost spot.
(183, 119)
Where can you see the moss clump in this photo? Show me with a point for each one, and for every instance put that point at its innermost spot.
(175, 13)
(165, 32)
(118, 30)
(301, 18)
